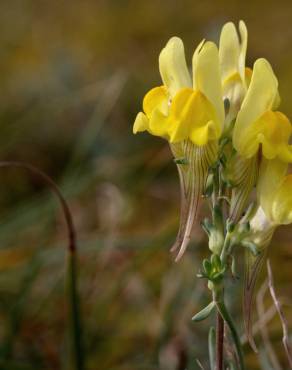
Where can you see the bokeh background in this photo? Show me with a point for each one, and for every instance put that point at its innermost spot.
(72, 77)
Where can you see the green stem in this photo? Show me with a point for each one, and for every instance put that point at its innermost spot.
(227, 318)
(225, 248)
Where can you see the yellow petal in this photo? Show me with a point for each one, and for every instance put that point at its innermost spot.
(232, 51)
(202, 120)
(159, 124)
(275, 134)
(155, 106)
(173, 67)
(192, 116)
(195, 56)
(229, 51)
(281, 211)
(206, 76)
(141, 123)
(155, 98)
(180, 114)
(277, 101)
(202, 135)
(272, 130)
(271, 174)
(275, 192)
(243, 47)
(189, 116)
(233, 90)
(259, 99)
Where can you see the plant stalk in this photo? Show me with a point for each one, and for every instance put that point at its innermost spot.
(219, 341)
(228, 319)
(76, 350)
(75, 332)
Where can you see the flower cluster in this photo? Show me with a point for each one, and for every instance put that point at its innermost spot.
(227, 138)
(223, 101)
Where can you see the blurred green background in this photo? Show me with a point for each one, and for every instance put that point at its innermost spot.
(72, 78)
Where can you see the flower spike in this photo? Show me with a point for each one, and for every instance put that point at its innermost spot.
(229, 143)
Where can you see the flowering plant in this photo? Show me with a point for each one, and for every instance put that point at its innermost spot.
(227, 138)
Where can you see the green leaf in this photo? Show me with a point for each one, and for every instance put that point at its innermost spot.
(204, 313)
(212, 347)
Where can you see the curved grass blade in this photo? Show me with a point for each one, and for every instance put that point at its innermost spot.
(76, 350)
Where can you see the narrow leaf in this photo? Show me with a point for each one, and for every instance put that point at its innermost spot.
(204, 313)
(212, 347)
(227, 318)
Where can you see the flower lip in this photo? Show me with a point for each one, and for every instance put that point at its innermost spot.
(189, 116)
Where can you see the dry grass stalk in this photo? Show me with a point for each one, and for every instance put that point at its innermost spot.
(285, 339)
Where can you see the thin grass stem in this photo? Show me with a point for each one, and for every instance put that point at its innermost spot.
(76, 349)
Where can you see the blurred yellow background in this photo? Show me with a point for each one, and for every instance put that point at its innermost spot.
(72, 78)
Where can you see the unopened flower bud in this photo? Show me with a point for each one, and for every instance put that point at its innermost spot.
(216, 240)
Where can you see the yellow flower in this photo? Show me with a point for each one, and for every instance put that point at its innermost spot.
(257, 124)
(189, 113)
(241, 172)
(258, 129)
(180, 110)
(274, 196)
(235, 76)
